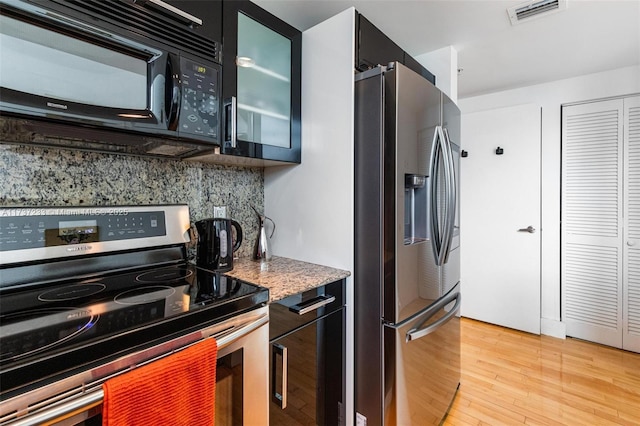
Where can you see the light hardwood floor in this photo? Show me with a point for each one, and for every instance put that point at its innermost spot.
(513, 378)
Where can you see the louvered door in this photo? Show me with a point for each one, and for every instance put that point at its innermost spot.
(631, 247)
(592, 195)
(601, 221)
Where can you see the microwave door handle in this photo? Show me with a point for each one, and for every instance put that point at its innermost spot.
(178, 12)
(172, 92)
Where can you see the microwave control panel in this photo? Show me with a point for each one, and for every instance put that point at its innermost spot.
(199, 114)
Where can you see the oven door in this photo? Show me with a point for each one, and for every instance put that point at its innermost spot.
(242, 388)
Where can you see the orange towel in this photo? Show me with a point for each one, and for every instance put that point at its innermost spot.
(176, 390)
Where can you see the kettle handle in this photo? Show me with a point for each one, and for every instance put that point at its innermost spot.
(236, 225)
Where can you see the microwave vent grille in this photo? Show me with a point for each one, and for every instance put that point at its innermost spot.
(149, 23)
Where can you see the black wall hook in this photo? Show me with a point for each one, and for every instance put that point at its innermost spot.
(464, 153)
(499, 151)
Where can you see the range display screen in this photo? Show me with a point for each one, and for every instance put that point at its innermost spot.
(74, 232)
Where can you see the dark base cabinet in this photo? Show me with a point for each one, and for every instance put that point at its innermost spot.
(307, 339)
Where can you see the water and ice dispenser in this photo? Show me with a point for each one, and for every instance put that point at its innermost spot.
(415, 208)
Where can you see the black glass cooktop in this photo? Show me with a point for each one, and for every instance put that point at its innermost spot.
(55, 329)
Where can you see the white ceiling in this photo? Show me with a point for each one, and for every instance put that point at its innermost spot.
(590, 36)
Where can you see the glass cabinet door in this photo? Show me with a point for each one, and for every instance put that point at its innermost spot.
(261, 84)
(264, 84)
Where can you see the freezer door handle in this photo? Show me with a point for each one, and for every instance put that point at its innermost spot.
(420, 331)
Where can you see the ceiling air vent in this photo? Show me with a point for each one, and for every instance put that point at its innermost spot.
(535, 9)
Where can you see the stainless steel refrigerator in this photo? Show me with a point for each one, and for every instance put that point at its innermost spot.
(407, 251)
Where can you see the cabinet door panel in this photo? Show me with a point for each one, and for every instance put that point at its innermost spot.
(312, 373)
(300, 371)
(374, 47)
(261, 84)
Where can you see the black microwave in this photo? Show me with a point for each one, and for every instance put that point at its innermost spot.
(136, 67)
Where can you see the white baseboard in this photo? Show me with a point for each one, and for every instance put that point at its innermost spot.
(553, 328)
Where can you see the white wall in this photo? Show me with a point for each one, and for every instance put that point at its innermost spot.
(443, 63)
(312, 204)
(551, 96)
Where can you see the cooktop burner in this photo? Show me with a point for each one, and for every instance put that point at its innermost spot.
(164, 275)
(98, 319)
(34, 330)
(70, 292)
(149, 294)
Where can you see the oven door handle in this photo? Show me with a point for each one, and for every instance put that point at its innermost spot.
(60, 412)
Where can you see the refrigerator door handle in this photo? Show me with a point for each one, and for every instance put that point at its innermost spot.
(440, 230)
(418, 331)
(450, 196)
(434, 169)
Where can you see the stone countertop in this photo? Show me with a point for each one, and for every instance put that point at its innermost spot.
(283, 276)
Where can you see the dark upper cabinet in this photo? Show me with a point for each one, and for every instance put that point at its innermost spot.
(374, 48)
(261, 84)
(417, 67)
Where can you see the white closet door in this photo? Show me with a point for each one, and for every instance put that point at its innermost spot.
(592, 221)
(631, 247)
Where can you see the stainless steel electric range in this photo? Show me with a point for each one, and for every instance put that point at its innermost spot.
(87, 293)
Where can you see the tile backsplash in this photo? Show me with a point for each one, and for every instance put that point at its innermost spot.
(40, 176)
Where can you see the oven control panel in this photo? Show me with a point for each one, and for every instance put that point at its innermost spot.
(31, 234)
(25, 232)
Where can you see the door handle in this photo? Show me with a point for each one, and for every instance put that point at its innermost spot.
(279, 398)
(231, 119)
(312, 305)
(530, 229)
(419, 331)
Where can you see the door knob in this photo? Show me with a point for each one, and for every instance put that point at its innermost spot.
(530, 229)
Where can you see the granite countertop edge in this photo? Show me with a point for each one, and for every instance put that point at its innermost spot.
(283, 276)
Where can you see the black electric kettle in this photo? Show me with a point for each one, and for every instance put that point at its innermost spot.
(215, 243)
